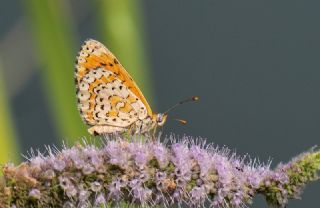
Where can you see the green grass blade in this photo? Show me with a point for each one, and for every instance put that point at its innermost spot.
(9, 147)
(121, 25)
(52, 32)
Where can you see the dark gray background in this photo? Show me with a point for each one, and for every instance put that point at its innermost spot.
(254, 64)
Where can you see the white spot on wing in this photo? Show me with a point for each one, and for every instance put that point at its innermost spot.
(88, 78)
(83, 86)
(140, 109)
(119, 105)
(83, 95)
(84, 106)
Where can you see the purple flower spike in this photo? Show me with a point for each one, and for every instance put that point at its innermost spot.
(118, 153)
(141, 153)
(100, 200)
(182, 161)
(160, 152)
(204, 161)
(35, 194)
(149, 173)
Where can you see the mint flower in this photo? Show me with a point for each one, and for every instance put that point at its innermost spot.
(151, 173)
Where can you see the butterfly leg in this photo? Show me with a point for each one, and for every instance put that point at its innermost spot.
(154, 138)
(126, 134)
(131, 130)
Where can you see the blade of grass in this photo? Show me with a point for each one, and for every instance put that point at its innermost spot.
(121, 25)
(52, 32)
(9, 147)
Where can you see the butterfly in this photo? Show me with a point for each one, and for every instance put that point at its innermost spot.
(109, 100)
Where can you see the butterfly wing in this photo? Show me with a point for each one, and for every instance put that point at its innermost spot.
(107, 95)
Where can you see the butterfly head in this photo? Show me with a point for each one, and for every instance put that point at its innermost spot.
(160, 119)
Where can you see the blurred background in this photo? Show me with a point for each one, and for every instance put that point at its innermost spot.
(254, 64)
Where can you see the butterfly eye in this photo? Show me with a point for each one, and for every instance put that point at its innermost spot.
(159, 118)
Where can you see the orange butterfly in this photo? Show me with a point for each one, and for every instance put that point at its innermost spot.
(109, 100)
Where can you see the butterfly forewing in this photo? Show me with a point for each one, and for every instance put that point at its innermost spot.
(107, 95)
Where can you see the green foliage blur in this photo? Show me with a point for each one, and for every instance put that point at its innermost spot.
(8, 147)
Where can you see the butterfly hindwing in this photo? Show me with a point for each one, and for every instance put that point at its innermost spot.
(107, 95)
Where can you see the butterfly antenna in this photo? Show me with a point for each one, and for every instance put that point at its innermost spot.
(192, 99)
(183, 122)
